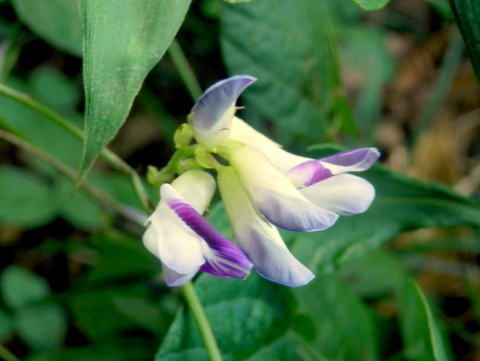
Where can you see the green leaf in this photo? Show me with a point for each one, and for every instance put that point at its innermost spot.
(371, 5)
(5, 325)
(122, 40)
(42, 327)
(343, 327)
(26, 200)
(467, 13)
(21, 287)
(56, 21)
(249, 318)
(289, 48)
(436, 340)
(401, 203)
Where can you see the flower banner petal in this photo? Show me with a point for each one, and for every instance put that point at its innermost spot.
(344, 194)
(212, 114)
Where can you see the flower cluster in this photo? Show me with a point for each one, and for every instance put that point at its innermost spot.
(262, 186)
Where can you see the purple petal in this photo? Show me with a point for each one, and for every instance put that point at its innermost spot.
(309, 173)
(223, 259)
(355, 160)
(217, 99)
(344, 194)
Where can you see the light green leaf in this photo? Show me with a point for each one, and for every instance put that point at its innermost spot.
(20, 287)
(436, 341)
(371, 5)
(249, 318)
(56, 21)
(42, 327)
(26, 200)
(401, 203)
(467, 13)
(289, 48)
(122, 40)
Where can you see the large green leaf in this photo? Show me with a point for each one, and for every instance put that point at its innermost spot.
(343, 328)
(249, 319)
(401, 204)
(288, 47)
(467, 13)
(122, 40)
(56, 21)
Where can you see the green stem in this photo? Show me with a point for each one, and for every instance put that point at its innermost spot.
(185, 70)
(201, 320)
(6, 355)
(68, 172)
(106, 154)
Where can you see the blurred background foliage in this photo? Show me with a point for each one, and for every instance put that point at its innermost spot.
(75, 280)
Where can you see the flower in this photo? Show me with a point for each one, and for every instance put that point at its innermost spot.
(183, 240)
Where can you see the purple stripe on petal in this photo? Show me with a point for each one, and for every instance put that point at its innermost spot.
(309, 173)
(355, 160)
(223, 258)
(215, 101)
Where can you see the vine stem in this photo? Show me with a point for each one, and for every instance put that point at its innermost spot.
(185, 70)
(188, 292)
(113, 159)
(68, 172)
(6, 355)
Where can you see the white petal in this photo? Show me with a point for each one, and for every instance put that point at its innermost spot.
(196, 187)
(260, 241)
(281, 159)
(176, 245)
(344, 194)
(175, 279)
(274, 196)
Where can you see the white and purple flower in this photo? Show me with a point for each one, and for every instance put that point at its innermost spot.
(183, 240)
(263, 187)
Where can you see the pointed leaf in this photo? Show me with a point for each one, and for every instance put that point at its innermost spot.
(123, 40)
(467, 13)
(56, 21)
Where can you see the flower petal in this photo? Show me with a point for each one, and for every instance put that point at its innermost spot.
(355, 160)
(161, 238)
(309, 173)
(274, 196)
(344, 194)
(175, 279)
(281, 159)
(260, 241)
(222, 258)
(212, 114)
